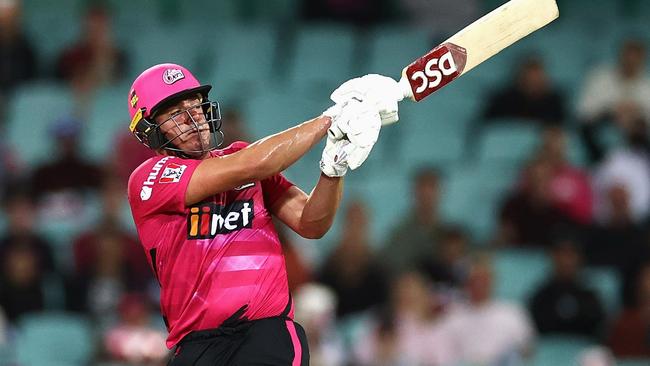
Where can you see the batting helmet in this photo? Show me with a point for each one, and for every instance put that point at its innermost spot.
(163, 85)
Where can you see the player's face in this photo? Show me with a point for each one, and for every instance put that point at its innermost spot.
(185, 125)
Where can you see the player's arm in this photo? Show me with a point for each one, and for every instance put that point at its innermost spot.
(258, 161)
(311, 215)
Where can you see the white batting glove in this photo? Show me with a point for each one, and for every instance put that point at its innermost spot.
(356, 122)
(334, 161)
(382, 91)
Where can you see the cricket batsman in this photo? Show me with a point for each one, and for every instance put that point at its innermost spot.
(203, 214)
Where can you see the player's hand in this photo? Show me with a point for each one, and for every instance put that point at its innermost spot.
(334, 161)
(356, 122)
(381, 91)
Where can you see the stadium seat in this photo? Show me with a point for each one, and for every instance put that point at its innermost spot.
(244, 57)
(51, 26)
(107, 117)
(48, 339)
(172, 43)
(559, 350)
(32, 110)
(518, 272)
(391, 49)
(633, 362)
(387, 196)
(272, 111)
(507, 141)
(472, 194)
(607, 284)
(323, 57)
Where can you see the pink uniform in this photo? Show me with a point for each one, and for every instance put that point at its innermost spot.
(215, 256)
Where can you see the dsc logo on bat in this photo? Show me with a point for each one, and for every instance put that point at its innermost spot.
(435, 69)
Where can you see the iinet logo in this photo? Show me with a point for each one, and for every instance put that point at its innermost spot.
(209, 219)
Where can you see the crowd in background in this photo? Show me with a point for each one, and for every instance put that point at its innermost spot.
(424, 295)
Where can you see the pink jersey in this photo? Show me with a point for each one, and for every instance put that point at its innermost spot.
(215, 256)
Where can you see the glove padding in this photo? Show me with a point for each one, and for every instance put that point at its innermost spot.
(355, 123)
(334, 161)
(381, 91)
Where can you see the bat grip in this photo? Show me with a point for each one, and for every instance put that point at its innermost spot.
(405, 87)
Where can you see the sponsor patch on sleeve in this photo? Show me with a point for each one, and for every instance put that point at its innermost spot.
(172, 173)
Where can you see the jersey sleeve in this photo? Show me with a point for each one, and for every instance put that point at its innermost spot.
(274, 187)
(158, 186)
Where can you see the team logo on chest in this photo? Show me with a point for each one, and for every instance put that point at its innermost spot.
(207, 220)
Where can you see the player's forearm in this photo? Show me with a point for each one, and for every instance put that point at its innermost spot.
(276, 153)
(321, 206)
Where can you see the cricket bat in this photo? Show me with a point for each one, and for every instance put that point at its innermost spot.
(474, 44)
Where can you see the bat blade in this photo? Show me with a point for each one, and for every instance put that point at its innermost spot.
(474, 44)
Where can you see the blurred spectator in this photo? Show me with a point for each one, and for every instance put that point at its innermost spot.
(21, 283)
(416, 236)
(20, 210)
(618, 241)
(233, 127)
(95, 59)
(98, 288)
(486, 331)
(107, 260)
(531, 96)
(61, 183)
(616, 94)
(563, 303)
(10, 167)
(570, 186)
(86, 246)
(529, 215)
(413, 330)
(628, 167)
(351, 270)
(447, 266)
(130, 153)
(17, 58)
(26, 258)
(133, 339)
(298, 271)
(629, 333)
(355, 12)
(315, 307)
(596, 356)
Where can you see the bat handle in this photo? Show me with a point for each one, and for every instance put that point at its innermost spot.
(405, 87)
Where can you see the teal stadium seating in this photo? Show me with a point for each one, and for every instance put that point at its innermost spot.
(54, 339)
(392, 48)
(518, 272)
(51, 26)
(472, 195)
(323, 57)
(108, 116)
(559, 350)
(507, 142)
(243, 61)
(32, 111)
(607, 284)
(171, 43)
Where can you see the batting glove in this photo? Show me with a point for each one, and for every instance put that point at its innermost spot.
(356, 122)
(334, 161)
(381, 91)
